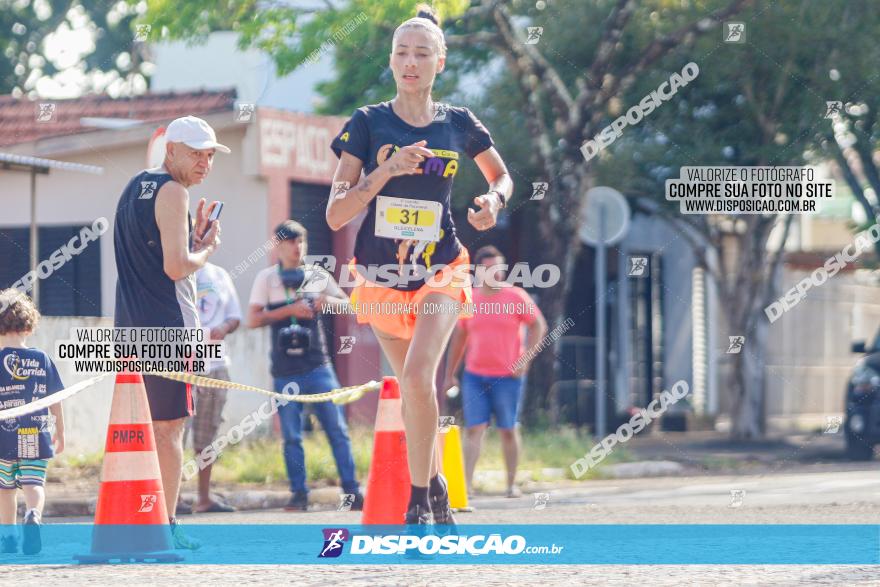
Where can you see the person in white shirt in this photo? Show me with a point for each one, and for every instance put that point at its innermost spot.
(219, 311)
(291, 298)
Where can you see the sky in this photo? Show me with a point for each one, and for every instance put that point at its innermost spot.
(69, 44)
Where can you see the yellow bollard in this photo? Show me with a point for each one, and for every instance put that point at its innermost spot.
(453, 469)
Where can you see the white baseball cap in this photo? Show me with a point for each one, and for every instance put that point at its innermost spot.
(193, 132)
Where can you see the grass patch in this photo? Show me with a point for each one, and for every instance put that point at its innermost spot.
(546, 456)
(721, 463)
(262, 460)
(80, 461)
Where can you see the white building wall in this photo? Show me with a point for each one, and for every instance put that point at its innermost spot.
(251, 73)
(75, 198)
(808, 349)
(86, 415)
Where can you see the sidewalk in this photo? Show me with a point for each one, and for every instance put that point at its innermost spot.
(657, 455)
(63, 502)
(60, 503)
(713, 453)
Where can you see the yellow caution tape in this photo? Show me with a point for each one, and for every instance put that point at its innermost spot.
(343, 395)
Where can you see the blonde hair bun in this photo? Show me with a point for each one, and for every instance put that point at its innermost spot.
(427, 11)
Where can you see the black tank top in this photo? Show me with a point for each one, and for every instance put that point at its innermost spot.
(145, 295)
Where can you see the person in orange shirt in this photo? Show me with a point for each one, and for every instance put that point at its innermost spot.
(495, 364)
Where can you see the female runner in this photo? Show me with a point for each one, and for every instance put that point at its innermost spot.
(409, 150)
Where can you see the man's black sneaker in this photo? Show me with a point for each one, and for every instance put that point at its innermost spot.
(8, 545)
(358, 504)
(299, 502)
(32, 543)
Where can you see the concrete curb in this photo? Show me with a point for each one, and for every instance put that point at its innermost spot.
(642, 469)
(323, 498)
(328, 498)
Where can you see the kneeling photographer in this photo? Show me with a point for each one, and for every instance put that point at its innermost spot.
(290, 297)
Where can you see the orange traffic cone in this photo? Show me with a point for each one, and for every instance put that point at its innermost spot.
(389, 483)
(131, 520)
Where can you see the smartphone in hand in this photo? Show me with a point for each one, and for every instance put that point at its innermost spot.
(215, 213)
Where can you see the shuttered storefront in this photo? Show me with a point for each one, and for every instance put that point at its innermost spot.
(73, 288)
(308, 204)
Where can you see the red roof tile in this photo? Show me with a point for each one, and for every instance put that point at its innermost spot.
(19, 117)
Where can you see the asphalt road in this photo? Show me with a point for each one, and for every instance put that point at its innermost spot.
(824, 497)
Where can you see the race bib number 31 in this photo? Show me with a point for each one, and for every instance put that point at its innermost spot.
(404, 218)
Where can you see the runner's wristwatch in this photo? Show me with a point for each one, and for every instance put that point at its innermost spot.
(500, 197)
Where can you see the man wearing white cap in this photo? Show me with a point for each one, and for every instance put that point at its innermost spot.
(159, 247)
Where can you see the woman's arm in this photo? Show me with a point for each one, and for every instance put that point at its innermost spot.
(495, 171)
(346, 202)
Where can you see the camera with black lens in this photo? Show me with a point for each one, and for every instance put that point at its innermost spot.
(292, 278)
(294, 340)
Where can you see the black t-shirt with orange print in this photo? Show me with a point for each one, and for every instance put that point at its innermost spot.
(374, 133)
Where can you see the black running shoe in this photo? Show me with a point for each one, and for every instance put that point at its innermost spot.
(418, 515)
(299, 502)
(358, 504)
(8, 545)
(181, 540)
(440, 508)
(419, 522)
(32, 543)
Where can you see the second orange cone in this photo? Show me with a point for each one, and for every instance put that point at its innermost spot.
(388, 484)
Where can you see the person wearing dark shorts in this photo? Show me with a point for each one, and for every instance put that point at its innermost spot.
(158, 248)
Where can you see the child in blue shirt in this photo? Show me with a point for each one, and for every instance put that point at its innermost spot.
(26, 442)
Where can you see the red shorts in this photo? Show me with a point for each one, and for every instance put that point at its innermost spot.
(394, 312)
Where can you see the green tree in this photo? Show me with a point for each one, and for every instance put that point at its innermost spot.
(590, 54)
(848, 75)
(766, 108)
(358, 32)
(25, 26)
